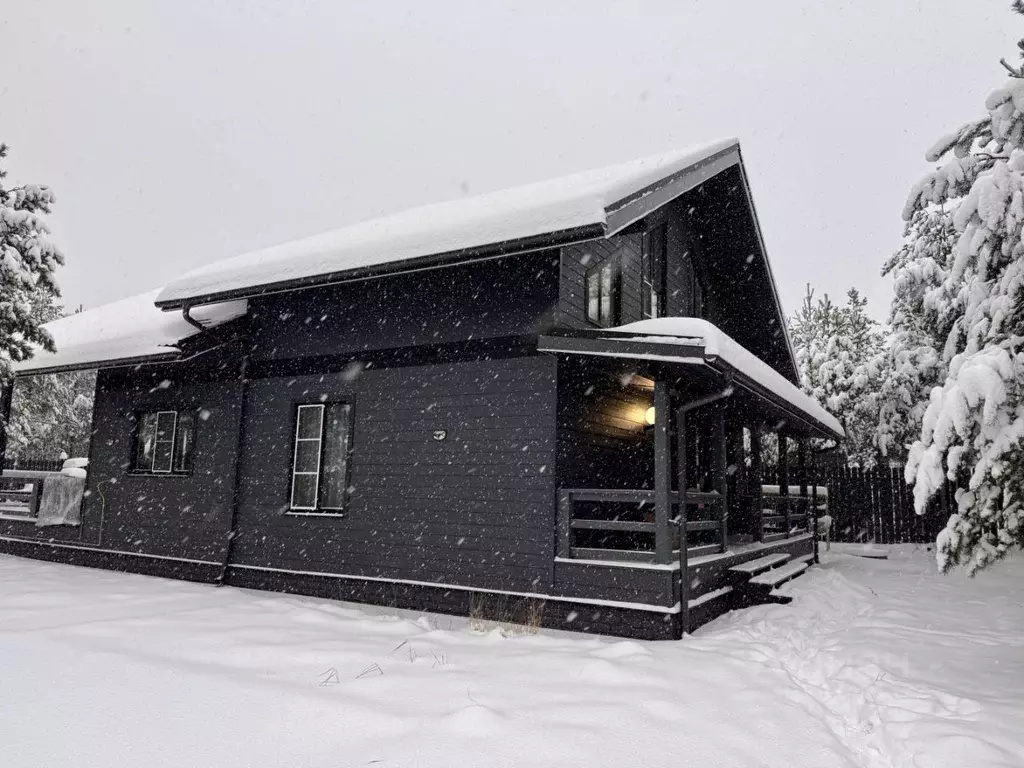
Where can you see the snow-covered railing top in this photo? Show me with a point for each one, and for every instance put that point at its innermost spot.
(584, 203)
(122, 331)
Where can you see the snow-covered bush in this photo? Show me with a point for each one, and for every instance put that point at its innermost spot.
(973, 427)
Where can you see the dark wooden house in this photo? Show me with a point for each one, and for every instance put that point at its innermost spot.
(549, 399)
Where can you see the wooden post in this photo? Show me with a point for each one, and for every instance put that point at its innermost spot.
(564, 543)
(784, 477)
(814, 502)
(681, 480)
(801, 464)
(662, 476)
(6, 395)
(757, 480)
(719, 466)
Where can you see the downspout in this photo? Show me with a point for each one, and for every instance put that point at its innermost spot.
(185, 313)
(684, 581)
(236, 490)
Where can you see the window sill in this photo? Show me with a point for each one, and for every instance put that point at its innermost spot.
(313, 513)
(18, 518)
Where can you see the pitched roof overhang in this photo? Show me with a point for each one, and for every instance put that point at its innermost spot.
(579, 208)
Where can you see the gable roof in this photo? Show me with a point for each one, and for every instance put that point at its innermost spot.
(584, 205)
(123, 332)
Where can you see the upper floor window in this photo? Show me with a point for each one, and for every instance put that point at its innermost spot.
(604, 291)
(320, 460)
(164, 442)
(652, 272)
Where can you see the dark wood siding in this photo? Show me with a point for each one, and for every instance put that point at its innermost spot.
(170, 516)
(510, 296)
(475, 509)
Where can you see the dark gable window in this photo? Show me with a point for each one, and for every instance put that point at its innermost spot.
(320, 459)
(652, 272)
(604, 291)
(164, 442)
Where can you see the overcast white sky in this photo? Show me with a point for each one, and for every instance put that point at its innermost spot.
(178, 133)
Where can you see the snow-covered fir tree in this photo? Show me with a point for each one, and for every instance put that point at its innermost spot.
(834, 344)
(50, 413)
(911, 363)
(973, 427)
(28, 261)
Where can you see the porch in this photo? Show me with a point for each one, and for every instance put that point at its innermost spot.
(664, 454)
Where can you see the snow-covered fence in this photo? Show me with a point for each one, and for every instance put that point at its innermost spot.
(35, 464)
(876, 505)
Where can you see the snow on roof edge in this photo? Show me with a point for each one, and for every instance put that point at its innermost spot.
(128, 329)
(546, 207)
(717, 343)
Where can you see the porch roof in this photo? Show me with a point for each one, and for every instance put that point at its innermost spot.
(124, 332)
(690, 341)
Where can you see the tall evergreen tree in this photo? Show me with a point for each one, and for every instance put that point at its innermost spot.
(833, 345)
(973, 427)
(911, 363)
(28, 261)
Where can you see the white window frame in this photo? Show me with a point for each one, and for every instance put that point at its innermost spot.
(157, 441)
(319, 440)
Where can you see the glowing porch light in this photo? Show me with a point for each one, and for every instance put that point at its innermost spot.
(649, 415)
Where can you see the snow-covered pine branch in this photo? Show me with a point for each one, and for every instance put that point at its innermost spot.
(28, 262)
(973, 426)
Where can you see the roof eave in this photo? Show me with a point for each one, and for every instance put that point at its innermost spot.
(95, 365)
(422, 263)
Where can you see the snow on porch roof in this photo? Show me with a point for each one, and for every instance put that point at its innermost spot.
(124, 331)
(690, 332)
(562, 205)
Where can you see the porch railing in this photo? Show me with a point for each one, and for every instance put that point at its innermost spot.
(618, 524)
(19, 497)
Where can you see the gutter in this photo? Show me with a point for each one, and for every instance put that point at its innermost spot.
(407, 266)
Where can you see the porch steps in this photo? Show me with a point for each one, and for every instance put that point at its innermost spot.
(754, 567)
(764, 575)
(775, 577)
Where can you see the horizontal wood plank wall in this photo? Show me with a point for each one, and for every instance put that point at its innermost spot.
(165, 515)
(474, 509)
(511, 296)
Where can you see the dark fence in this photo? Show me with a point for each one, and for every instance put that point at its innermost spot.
(34, 464)
(876, 505)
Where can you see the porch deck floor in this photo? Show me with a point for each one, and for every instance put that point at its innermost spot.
(748, 549)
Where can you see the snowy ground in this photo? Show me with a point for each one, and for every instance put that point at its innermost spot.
(876, 663)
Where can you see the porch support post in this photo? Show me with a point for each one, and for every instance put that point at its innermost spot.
(662, 474)
(784, 477)
(6, 395)
(814, 499)
(801, 463)
(684, 581)
(719, 465)
(757, 480)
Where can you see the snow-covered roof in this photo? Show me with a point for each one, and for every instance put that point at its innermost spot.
(693, 332)
(128, 329)
(554, 206)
